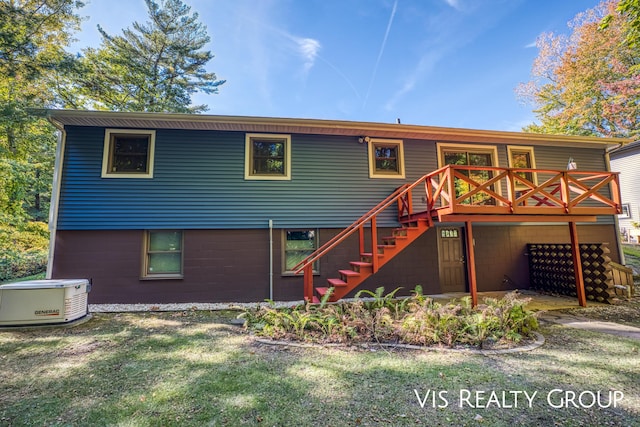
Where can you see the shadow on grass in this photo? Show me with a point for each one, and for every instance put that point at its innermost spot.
(195, 368)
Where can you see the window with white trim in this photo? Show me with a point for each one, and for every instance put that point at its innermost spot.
(128, 153)
(267, 157)
(163, 254)
(522, 157)
(386, 158)
(296, 246)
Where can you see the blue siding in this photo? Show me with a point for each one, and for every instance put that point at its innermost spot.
(199, 182)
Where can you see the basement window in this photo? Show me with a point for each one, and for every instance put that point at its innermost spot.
(128, 153)
(163, 255)
(267, 157)
(296, 246)
(386, 158)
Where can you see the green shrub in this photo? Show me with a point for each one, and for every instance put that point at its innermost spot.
(23, 250)
(414, 320)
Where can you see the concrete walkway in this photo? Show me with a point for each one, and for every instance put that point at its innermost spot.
(579, 322)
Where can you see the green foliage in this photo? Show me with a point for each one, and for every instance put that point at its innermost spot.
(383, 318)
(33, 36)
(630, 10)
(23, 250)
(155, 66)
(586, 83)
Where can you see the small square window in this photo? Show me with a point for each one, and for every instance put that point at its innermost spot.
(297, 245)
(163, 255)
(128, 153)
(268, 157)
(386, 158)
(626, 211)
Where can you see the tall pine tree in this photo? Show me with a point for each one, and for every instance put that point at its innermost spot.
(156, 66)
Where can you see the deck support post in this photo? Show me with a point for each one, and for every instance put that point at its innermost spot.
(471, 263)
(577, 264)
(374, 245)
(308, 282)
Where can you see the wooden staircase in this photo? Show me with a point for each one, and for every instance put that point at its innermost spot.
(360, 270)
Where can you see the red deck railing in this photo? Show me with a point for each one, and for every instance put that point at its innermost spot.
(469, 190)
(502, 191)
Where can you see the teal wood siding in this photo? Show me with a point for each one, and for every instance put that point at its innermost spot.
(198, 182)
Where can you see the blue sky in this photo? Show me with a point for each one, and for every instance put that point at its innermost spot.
(452, 63)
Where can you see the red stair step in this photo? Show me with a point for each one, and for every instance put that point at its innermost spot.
(336, 283)
(349, 273)
(360, 265)
(322, 291)
(369, 255)
(394, 237)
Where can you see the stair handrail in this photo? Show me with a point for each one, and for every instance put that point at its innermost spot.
(386, 203)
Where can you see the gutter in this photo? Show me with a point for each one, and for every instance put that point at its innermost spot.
(55, 193)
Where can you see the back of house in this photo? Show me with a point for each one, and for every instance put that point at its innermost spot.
(163, 208)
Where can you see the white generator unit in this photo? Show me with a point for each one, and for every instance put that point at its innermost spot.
(40, 302)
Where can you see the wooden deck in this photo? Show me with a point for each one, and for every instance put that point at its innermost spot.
(470, 194)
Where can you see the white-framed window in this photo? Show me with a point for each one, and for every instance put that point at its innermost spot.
(523, 157)
(267, 156)
(386, 158)
(163, 254)
(128, 153)
(297, 244)
(626, 211)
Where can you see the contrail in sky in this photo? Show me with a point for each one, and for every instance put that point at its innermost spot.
(384, 42)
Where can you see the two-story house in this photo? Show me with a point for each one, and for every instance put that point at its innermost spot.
(158, 208)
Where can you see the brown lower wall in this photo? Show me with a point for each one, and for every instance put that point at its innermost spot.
(233, 265)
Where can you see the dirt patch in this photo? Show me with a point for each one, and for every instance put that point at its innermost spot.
(82, 349)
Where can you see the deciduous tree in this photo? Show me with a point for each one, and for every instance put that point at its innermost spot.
(33, 36)
(587, 83)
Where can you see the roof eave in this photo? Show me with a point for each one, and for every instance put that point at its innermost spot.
(62, 118)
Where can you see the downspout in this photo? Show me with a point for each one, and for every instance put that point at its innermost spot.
(616, 222)
(55, 194)
(271, 259)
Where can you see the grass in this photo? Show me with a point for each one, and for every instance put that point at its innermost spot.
(195, 368)
(631, 250)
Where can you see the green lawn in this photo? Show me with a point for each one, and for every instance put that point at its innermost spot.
(195, 368)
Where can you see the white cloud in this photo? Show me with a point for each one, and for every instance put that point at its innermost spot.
(530, 45)
(424, 66)
(454, 4)
(308, 49)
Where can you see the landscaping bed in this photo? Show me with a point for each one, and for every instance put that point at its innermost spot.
(416, 320)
